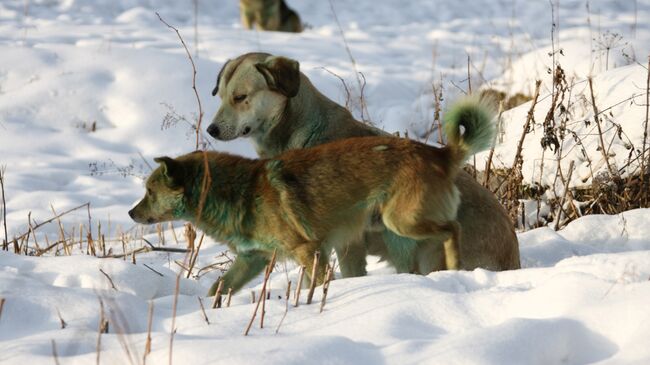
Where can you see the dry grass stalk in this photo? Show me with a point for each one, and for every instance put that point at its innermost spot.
(267, 274)
(171, 228)
(147, 346)
(644, 162)
(205, 316)
(55, 355)
(160, 233)
(91, 245)
(195, 256)
(348, 96)
(101, 328)
(217, 296)
(109, 279)
(190, 237)
(61, 321)
(301, 274)
(229, 297)
(31, 229)
(252, 297)
(174, 307)
(564, 197)
(61, 231)
(2, 304)
(263, 300)
(326, 286)
(152, 269)
(515, 176)
(314, 272)
(469, 76)
(600, 131)
(50, 220)
(266, 291)
(5, 243)
(287, 294)
(488, 163)
(363, 107)
(196, 93)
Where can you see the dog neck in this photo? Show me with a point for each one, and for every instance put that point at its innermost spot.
(305, 121)
(222, 211)
(310, 119)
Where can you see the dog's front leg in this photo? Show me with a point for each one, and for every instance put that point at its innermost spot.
(304, 254)
(246, 266)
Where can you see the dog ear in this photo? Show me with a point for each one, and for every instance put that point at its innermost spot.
(172, 170)
(281, 74)
(216, 87)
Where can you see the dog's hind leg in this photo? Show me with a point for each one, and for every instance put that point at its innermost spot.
(401, 251)
(246, 266)
(427, 229)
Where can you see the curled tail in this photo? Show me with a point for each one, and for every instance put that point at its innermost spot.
(475, 116)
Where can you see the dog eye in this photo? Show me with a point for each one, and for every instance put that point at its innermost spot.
(149, 192)
(239, 98)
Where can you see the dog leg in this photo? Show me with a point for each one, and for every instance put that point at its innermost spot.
(401, 251)
(430, 256)
(452, 247)
(424, 229)
(304, 254)
(352, 258)
(246, 266)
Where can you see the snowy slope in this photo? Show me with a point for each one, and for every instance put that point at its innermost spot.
(576, 302)
(68, 64)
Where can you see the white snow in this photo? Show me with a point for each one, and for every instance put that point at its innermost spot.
(68, 64)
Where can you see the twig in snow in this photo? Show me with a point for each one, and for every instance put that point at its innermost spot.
(205, 316)
(196, 93)
(109, 279)
(286, 306)
(267, 274)
(301, 274)
(314, 273)
(147, 346)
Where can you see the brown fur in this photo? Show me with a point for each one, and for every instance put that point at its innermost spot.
(305, 200)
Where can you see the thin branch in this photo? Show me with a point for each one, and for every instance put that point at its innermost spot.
(109, 279)
(600, 131)
(267, 274)
(196, 93)
(53, 219)
(5, 244)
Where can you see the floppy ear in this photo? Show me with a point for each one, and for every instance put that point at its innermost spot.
(281, 74)
(172, 170)
(216, 87)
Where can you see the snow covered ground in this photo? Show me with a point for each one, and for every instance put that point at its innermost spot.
(70, 64)
(581, 298)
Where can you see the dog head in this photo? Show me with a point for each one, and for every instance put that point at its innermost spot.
(163, 200)
(254, 89)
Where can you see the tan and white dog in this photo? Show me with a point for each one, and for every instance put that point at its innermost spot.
(268, 99)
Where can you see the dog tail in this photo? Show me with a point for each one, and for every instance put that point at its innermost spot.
(474, 115)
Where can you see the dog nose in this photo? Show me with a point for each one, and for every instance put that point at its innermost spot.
(213, 130)
(131, 213)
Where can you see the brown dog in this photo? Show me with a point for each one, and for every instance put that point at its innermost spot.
(305, 200)
(268, 99)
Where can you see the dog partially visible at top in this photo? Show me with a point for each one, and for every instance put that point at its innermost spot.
(268, 99)
(273, 15)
